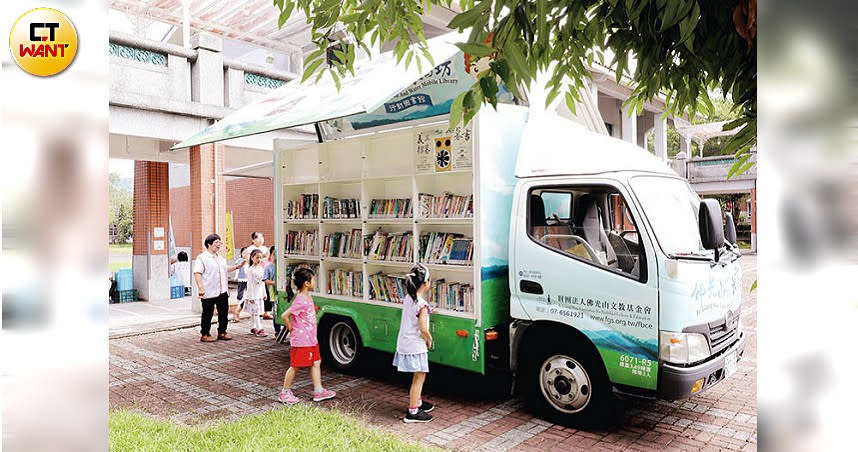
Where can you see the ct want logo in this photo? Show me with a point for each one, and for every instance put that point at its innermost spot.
(43, 42)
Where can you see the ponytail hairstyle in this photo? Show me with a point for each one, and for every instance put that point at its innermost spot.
(418, 276)
(301, 276)
(253, 253)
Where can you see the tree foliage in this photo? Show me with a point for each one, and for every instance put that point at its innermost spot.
(121, 213)
(682, 49)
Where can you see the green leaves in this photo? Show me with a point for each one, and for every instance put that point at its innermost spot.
(677, 48)
(477, 50)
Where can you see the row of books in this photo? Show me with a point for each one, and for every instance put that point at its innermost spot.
(452, 296)
(387, 287)
(389, 246)
(390, 208)
(446, 248)
(307, 206)
(302, 242)
(344, 282)
(344, 244)
(448, 205)
(341, 208)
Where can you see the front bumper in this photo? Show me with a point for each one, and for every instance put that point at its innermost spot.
(675, 382)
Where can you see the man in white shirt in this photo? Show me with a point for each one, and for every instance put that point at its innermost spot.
(210, 272)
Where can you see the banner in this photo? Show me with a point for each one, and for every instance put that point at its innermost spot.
(230, 242)
(172, 243)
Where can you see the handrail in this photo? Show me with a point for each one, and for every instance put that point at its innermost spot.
(155, 46)
(259, 70)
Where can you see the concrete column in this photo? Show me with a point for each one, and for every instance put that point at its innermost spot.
(150, 262)
(234, 88)
(685, 145)
(660, 138)
(207, 70)
(594, 93)
(629, 125)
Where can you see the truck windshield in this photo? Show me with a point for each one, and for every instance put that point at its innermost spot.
(671, 208)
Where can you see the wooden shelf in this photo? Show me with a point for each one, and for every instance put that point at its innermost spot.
(451, 267)
(347, 180)
(391, 220)
(390, 177)
(406, 265)
(465, 221)
(439, 311)
(302, 221)
(301, 257)
(344, 260)
(340, 221)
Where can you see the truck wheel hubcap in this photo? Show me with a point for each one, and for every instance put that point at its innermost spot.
(565, 384)
(343, 343)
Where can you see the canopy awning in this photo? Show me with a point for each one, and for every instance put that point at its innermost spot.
(294, 104)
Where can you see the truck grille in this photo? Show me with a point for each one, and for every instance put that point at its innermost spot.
(721, 334)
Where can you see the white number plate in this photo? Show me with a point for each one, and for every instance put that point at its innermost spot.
(730, 364)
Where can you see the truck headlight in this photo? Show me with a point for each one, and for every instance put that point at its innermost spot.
(682, 348)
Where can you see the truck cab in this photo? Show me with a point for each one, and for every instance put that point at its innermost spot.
(620, 278)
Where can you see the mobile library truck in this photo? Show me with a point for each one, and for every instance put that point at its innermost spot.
(578, 263)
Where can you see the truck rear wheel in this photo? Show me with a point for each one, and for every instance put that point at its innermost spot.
(341, 345)
(568, 386)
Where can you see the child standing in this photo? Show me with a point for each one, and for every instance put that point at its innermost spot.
(414, 341)
(242, 284)
(255, 292)
(300, 320)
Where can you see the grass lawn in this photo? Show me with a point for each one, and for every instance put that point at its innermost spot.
(124, 248)
(300, 427)
(115, 266)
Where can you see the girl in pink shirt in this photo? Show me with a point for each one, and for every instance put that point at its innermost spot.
(300, 320)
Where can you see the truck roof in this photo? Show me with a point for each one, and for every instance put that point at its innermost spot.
(553, 146)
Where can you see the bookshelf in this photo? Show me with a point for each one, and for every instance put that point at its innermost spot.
(384, 176)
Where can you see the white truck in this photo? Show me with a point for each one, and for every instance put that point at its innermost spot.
(578, 263)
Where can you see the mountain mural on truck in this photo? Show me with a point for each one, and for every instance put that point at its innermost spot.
(630, 345)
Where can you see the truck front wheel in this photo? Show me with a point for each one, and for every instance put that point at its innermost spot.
(341, 345)
(568, 386)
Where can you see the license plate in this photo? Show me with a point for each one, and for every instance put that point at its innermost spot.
(730, 364)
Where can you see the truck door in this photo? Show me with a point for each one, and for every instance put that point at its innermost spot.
(579, 259)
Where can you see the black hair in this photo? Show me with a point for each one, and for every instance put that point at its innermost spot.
(254, 234)
(210, 239)
(241, 251)
(253, 253)
(301, 276)
(419, 275)
(182, 256)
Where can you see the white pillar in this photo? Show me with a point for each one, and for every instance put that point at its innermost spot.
(630, 125)
(660, 138)
(186, 23)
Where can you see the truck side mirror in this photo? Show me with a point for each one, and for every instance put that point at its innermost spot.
(711, 226)
(730, 229)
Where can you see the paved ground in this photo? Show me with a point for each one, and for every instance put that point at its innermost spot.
(172, 375)
(140, 317)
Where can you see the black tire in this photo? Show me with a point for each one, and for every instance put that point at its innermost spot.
(341, 345)
(567, 384)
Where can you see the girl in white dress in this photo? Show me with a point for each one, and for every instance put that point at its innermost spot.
(255, 292)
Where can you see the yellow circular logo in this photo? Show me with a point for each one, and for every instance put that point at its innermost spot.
(43, 42)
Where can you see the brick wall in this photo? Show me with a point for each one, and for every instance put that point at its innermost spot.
(151, 205)
(250, 200)
(180, 214)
